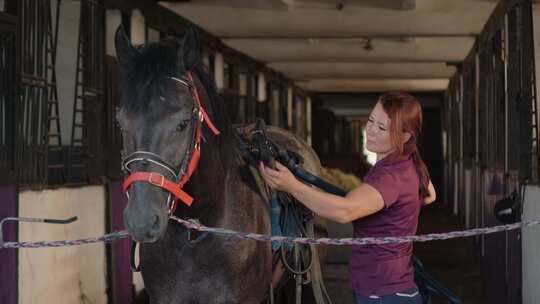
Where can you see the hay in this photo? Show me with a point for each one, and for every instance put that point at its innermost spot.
(341, 179)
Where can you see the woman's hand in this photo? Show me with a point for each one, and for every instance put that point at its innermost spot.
(360, 202)
(432, 194)
(280, 179)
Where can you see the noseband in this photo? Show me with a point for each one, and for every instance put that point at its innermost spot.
(188, 165)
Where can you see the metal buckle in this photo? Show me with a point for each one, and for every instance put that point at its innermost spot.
(197, 146)
(201, 116)
(154, 182)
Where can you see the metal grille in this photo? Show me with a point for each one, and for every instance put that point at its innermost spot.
(86, 150)
(522, 112)
(451, 125)
(32, 109)
(506, 137)
(469, 117)
(114, 135)
(492, 104)
(8, 50)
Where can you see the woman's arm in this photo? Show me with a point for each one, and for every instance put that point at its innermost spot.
(432, 194)
(360, 202)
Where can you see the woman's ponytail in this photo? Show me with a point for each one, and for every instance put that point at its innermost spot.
(422, 171)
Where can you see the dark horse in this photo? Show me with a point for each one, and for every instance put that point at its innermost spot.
(169, 112)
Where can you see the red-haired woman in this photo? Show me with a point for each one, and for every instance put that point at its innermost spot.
(386, 204)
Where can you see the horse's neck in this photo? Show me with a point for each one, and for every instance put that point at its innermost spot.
(208, 184)
(217, 163)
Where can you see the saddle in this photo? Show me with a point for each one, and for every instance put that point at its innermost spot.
(288, 217)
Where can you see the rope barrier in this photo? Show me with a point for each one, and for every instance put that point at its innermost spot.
(191, 224)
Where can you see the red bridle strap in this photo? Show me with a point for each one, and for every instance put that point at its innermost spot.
(159, 180)
(205, 116)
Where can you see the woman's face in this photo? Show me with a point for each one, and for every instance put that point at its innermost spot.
(378, 132)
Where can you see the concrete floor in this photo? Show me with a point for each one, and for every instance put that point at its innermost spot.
(452, 262)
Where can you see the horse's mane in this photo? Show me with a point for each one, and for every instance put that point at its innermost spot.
(143, 78)
(221, 118)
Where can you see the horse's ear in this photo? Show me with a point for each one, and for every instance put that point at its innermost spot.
(189, 53)
(125, 52)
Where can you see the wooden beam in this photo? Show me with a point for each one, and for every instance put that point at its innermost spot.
(369, 70)
(408, 5)
(336, 50)
(343, 4)
(367, 85)
(287, 36)
(251, 4)
(363, 20)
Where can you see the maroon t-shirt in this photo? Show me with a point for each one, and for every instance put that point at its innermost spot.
(387, 269)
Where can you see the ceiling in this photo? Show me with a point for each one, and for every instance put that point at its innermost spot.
(348, 46)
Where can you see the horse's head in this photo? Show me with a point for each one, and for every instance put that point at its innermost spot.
(160, 117)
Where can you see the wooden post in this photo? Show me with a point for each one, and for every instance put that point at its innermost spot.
(9, 275)
(242, 92)
(138, 28)
(122, 277)
(261, 88)
(289, 108)
(113, 19)
(218, 71)
(308, 120)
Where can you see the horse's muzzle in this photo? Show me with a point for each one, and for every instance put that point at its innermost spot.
(146, 225)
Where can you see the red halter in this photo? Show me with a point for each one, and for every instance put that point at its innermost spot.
(158, 179)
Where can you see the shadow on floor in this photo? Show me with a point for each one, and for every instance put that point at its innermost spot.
(453, 262)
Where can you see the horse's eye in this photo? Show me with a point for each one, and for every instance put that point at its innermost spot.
(182, 125)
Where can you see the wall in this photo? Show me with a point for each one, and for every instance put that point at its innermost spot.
(74, 274)
(531, 246)
(536, 34)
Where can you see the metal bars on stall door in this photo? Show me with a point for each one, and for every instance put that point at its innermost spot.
(8, 94)
(36, 104)
(86, 162)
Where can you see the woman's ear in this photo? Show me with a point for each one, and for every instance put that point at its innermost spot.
(405, 136)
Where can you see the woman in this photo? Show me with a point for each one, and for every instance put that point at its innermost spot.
(386, 204)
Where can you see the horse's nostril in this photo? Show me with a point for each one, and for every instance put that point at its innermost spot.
(155, 226)
(154, 229)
